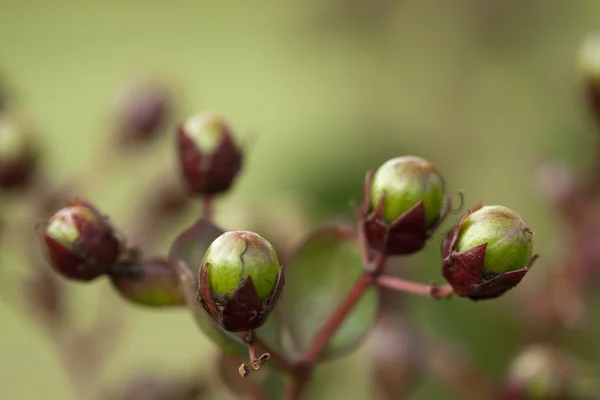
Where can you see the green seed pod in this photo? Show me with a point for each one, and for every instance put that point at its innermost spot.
(487, 253)
(508, 238)
(405, 181)
(240, 280)
(402, 205)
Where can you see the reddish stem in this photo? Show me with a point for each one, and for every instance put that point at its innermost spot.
(297, 386)
(251, 352)
(336, 319)
(372, 269)
(401, 285)
(207, 208)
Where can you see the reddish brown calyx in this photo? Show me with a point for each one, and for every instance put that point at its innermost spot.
(244, 310)
(208, 157)
(80, 243)
(406, 235)
(464, 270)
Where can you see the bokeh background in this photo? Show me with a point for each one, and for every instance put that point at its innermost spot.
(321, 91)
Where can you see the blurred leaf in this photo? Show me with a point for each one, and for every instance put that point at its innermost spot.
(227, 371)
(46, 296)
(274, 383)
(270, 332)
(150, 282)
(318, 278)
(192, 243)
(396, 359)
(190, 247)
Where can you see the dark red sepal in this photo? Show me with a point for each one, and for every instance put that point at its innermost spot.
(465, 273)
(244, 310)
(464, 270)
(406, 235)
(93, 253)
(449, 242)
(205, 297)
(208, 174)
(498, 285)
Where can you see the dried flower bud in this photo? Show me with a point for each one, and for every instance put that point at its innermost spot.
(588, 61)
(487, 253)
(80, 242)
(142, 111)
(18, 155)
(240, 280)
(151, 282)
(209, 158)
(403, 205)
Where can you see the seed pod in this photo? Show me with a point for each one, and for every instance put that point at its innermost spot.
(18, 154)
(142, 111)
(240, 280)
(209, 159)
(487, 253)
(403, 204)
(150, 282)
(80, 242)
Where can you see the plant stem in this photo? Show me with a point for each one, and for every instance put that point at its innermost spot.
(251, 352)
(297, 386)
(207, 208)
(401, 285)
(336, 319)
(371, 269)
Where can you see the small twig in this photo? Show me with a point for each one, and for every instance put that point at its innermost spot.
(297, 386)
(401, 285)
(336, 319)
(252, 352)
(207, 208)
(371, 269)
(252, 388)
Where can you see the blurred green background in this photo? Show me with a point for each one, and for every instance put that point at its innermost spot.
(325, 89)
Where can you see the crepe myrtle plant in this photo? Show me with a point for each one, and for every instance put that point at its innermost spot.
(235, 282)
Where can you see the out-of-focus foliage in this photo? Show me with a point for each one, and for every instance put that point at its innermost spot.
(319, 91)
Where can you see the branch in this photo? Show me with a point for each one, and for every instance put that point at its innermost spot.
(207, 208)
(336, 319)
(371, 269)
(401, 285)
